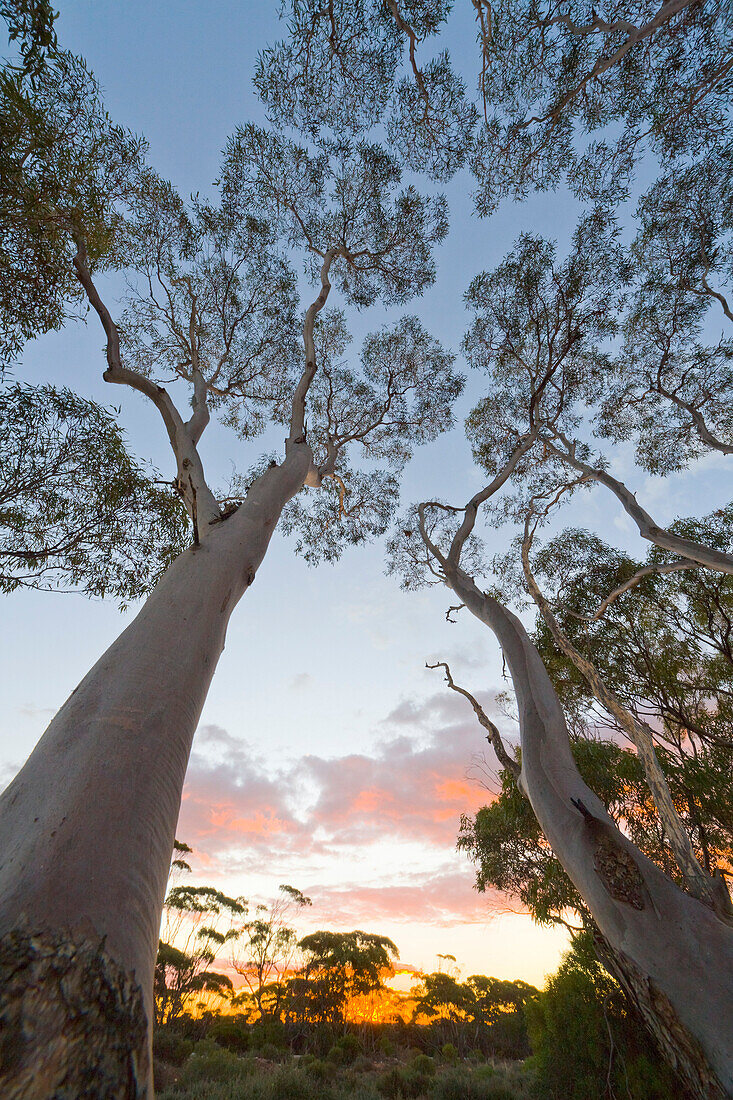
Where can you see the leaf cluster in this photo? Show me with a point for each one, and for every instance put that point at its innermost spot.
(339, 68)
(64, 168)
(76, 510)
(343, 196)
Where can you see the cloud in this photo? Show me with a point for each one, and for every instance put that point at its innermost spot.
(241, 813)
(29, 710)
(444, 898)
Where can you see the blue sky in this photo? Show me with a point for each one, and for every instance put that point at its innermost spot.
(322, 684)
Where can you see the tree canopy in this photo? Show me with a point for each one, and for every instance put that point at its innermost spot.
(76, 511)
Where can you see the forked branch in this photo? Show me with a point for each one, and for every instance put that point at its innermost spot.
(190, 482)
(492, 733)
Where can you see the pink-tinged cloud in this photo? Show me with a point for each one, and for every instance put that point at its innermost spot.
(445, 898)
(412, 787)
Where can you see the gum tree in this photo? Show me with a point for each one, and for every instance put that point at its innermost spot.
(541, 332)
(266, 950)
(568, 98)
(337, 966)
(87, 826)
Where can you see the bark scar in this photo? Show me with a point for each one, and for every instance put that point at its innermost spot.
(614, 865)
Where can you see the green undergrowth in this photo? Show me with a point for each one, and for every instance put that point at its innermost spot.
(211, 1072)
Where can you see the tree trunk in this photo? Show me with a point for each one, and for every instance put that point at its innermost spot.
(87, 826)
(675, 953)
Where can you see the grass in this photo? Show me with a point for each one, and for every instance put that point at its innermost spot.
(210, 1072)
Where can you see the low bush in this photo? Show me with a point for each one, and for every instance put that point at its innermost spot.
(423, 1063)
(386, 1046)
(170, 1046)
(270, 1052)
(210, 1062)
(403, 1083)
(583, 1032)
(317, 1068)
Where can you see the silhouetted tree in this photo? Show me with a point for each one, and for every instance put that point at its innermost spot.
(337, 966)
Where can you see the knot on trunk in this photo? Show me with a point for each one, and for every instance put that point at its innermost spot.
(72, 1022)
(614, 865)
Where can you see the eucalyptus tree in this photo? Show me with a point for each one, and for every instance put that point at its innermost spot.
(87, 826)
(198, 921)
(81, 512)
(266, 949)
(511, 853)
(337, 966)
(542, 331)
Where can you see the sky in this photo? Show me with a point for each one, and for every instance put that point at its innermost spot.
(327, 757)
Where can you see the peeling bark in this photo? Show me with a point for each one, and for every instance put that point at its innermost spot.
(72, 1022)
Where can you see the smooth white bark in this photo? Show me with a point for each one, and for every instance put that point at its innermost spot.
(679, 950)
(648, 529)
(87, 826)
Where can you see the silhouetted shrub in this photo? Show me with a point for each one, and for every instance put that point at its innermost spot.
(317, 1068)
(230, 1033)
(170, 1046)
(569, 1028)
(350, 1046)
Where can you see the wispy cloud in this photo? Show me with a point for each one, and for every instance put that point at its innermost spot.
(444, 898)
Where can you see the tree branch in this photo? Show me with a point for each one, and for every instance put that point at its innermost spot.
(704, 555)
(493, 736)
(297, 418)
(632, 582)
(526, 443)
(698, 421)
(200, 417)
(191, 482)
